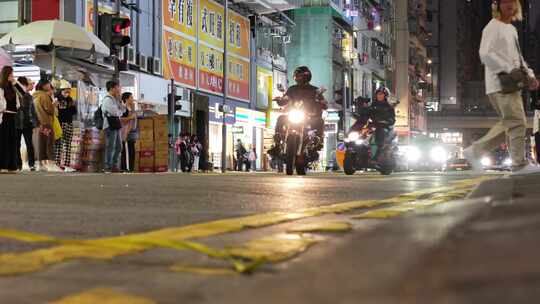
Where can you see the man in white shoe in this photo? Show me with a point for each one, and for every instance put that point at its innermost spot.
(500, 53)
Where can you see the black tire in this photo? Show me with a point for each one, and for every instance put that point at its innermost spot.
(290, 156)
(348, 163)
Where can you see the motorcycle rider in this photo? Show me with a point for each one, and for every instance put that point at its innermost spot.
(382, 115)
(314, 103)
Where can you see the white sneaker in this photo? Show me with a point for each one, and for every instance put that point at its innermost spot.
(528, 169)
(54, 168)
(473, 160)
(42, 168)
(69, 170)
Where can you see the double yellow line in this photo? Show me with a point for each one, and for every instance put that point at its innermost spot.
(178, 237)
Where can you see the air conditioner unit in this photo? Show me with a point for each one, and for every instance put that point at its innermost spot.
(149, 64)
(156, 66)
(131, 55)
(143, 63)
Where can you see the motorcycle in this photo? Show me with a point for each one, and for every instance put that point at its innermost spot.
(361, 149)
(298, 146)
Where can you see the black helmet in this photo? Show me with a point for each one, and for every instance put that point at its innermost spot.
(304, 72)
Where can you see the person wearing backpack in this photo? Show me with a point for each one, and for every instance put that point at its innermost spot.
(112, 110)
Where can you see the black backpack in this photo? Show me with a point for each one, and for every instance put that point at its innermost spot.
(98, 118)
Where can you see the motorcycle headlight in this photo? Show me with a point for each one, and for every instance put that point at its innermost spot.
(296, 116)
(359, 142)
(438, 154)
(413, 154)
(486, 161)
(354, 136)
(507, 162)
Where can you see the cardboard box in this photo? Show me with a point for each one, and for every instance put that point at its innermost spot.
(161, 154)
(145, 124)
(146, 149)
(161, 134)
(161, 164)
(146, 164)
(146, 135)
(160, 121)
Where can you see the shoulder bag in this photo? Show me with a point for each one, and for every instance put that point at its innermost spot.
(517, 79)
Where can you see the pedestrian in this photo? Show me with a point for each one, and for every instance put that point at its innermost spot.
(9, 105)
(130, 133)
(240, 155)
(253, 159)
(67, 109)
(28, 121)
(43, 134)
(196, 150)
(500, 53)
(112, 110)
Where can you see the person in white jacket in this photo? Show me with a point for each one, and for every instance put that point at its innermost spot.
(499, 52)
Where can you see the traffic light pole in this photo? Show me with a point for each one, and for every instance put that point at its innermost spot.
(225, 91)
(114, 52)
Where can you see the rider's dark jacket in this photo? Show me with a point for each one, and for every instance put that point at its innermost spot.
(309, 95)
(381, 113)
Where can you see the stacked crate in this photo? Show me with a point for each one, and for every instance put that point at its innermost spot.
(153, 145)
(91, 156)
(161, 143)
(144, 158)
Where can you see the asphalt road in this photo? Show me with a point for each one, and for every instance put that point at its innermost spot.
(138, 268)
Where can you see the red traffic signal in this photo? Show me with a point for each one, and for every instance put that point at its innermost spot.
(119, 24)
(111, 31)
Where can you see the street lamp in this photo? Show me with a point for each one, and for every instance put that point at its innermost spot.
(430, 61)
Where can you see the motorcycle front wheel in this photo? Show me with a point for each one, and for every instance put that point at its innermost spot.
(290, 155)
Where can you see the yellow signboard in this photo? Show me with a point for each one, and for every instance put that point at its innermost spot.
(212, 28)
(180, 15)
(179, 58)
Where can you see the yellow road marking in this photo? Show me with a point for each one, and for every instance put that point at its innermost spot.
(275, 248)
(25, 236)
(336, 226)
(103, 296)
(108, 248)
(204, 270)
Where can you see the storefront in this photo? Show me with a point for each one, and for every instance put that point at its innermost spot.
(249, 128)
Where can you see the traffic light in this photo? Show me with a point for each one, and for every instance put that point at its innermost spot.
(111, 31)
(172, 101)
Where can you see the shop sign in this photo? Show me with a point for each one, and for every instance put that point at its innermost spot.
(250, 117)
(180, 16)
(179, 62)
(330, 128)
(211, 32)
(238, 130)
(216, 116)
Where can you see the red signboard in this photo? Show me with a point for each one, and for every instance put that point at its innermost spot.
(45, 10)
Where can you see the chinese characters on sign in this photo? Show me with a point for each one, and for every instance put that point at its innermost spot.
(198, 48)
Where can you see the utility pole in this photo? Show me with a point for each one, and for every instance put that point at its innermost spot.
(225, 90)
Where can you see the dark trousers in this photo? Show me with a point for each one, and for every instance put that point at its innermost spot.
(27, 134)
(128, 157)
(380, 136)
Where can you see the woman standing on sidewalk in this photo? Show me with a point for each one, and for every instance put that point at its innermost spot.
(43, 133)
(66, 110)
(253, 159)
(500, 53)
(9, 104)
